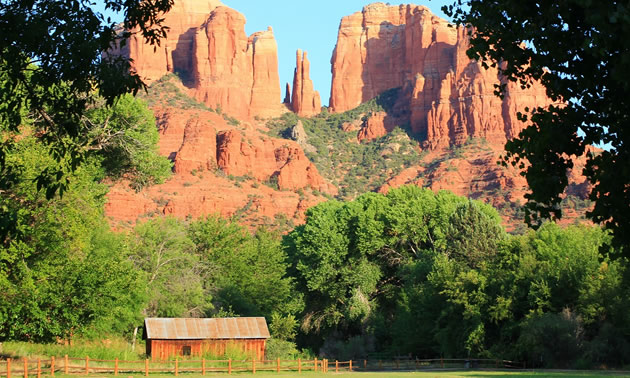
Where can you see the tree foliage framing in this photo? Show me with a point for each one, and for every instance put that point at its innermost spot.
(52, 67)
(577, 50)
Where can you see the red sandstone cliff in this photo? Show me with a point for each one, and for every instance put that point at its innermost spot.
(305, 101)
(238, 170)
(445, 95)
(225, 169)
(221, 65)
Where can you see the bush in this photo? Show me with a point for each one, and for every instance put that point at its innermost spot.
(552, 340)
(285, 350)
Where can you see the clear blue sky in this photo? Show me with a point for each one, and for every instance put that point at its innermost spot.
(306, 25)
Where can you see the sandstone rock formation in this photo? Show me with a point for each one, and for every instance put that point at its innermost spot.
(375, 126)
(198, 149)
(220, 168)
(223, 68)
(446, 96)
(239, 171)
(152, 62)
(287, 95)
(305, 101)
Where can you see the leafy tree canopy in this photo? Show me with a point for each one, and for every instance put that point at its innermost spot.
(126, 137)
(349, 257)
(52, 68)
(62, 271)
(577, 50)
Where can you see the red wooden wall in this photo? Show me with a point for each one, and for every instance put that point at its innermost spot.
(165, 349)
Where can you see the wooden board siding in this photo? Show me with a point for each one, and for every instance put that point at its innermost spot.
(165, 349)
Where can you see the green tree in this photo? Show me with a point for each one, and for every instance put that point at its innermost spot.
(474, 233)
(63, 271)
(573, 48)
(553, 287)
(52, 66)
(126, 136)
(174, 276)
(247, 273)
(445, 299)
(353, 259)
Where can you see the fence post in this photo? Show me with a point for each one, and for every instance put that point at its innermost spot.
(52, 366)
(299, 366)
(278, 365)
(315, 363)
(230, 366)
(397, 363)
(25, 368)
(146, 367)
(365, 364)
(417, 363)
(203, 366)
(65, 364)
(39, 367)
(380, 364)
(8, 368)
(253, 365)
(176, 366)
(116, 366)
(336, 366)
(87, 365)
(442, 362)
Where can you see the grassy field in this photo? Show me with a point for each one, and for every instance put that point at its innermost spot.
(428, 374)
(119, 348)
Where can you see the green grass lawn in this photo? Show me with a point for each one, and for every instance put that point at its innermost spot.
(437, 374)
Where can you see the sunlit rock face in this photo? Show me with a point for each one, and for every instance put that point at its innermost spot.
(305, 100)
(445, 96)
(208, 48)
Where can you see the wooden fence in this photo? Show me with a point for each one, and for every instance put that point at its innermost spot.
(85, 366)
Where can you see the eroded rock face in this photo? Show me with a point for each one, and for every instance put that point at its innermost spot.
(198, 149)
(305, 100)
(447, 97)
(222, 66)
(224, 169)
(175, 51)
(375, 126)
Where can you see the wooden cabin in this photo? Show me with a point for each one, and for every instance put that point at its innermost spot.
(170, 337)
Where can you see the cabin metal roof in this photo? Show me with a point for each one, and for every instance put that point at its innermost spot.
(205, 328)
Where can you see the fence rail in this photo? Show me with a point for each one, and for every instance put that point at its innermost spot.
(85, 366)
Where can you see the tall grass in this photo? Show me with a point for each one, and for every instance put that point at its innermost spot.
(106, 349)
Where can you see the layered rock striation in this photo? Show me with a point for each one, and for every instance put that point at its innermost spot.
(445, 96)
(208, 48)
(220, 168)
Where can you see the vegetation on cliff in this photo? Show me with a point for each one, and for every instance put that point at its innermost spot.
(353, 167)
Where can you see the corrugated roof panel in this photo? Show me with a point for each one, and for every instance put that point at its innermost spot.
(262, 328)
(209, 328)
(252, 326)
(179, 325)
(192, 327)
(219, 326)
(230, 329)
(212, 330)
